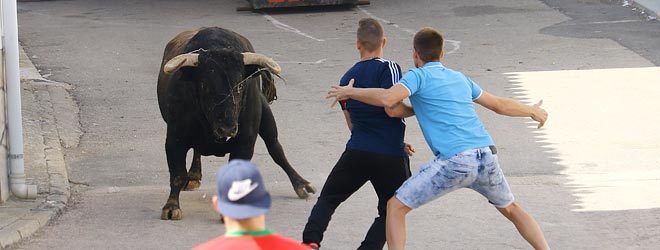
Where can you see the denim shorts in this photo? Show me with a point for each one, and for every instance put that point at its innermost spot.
(476, 169)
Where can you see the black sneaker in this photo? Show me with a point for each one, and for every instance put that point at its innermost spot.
(313, 245)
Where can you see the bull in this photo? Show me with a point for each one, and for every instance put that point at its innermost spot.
(214, 94)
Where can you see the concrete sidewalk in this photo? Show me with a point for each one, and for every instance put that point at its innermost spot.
(44, 158)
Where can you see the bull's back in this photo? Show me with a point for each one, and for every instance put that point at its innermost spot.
(219, 38)
(191, 40)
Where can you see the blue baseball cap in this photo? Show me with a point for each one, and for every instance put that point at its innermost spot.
(242, 192)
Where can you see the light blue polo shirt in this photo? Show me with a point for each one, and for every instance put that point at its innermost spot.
(443, 102)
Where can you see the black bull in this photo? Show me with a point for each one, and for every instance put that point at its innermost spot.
(211, 99)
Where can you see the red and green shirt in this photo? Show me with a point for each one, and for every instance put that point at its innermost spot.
(252, 240)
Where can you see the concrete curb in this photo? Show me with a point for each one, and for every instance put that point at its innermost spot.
(58, 182)
(650, 7)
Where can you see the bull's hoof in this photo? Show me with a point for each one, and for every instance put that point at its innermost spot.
(171, 212)
(303, 190)
(193, 185)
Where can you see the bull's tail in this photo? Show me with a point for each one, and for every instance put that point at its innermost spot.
(268, 86)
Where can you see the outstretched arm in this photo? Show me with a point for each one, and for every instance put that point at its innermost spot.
(373, 96)
(510, 107)
(400, 110)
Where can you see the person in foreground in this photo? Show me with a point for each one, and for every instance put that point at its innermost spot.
(465, 156)
(375, 152)
(244, 201)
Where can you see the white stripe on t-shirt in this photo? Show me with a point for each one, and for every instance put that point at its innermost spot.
(394, 73)
(391, 71)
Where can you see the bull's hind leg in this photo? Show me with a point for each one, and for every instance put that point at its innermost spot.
(268, 132)
(176, 162)
(195, 172)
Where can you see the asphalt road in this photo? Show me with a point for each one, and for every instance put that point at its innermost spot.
(111, 50)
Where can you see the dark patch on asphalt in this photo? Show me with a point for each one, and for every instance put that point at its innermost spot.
(479, 10)
(608, 19)
(75, 16)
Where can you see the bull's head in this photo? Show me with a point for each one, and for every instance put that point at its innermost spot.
(220, 74)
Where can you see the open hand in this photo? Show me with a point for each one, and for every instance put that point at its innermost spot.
(539, 114)
(339, 93)
(408, 149)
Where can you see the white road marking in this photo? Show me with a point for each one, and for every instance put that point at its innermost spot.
(455, 45)
(301, 62)
(283, 26)
(600, 22)
(611, 22)
(603, 124)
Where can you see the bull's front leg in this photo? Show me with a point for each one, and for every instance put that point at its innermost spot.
(176, 162)
(195, 172)
(244, 145)
(268, 132)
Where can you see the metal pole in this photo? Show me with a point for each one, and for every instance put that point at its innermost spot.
(17, 183)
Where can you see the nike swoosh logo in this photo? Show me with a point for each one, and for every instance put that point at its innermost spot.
(240, 189)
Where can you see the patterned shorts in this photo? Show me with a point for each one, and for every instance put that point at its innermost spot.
(476, 169)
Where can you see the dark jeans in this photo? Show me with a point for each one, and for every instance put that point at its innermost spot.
(353, 169)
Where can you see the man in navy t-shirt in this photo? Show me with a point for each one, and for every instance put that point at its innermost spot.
(375, 152)
(371, 128)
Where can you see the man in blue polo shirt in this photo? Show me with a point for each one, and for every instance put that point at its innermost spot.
(375, 152)
(442, 99)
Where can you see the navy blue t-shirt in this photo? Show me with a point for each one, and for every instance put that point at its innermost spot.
(373, 130)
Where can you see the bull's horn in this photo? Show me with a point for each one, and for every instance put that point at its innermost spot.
(259, 59)
(184, 60)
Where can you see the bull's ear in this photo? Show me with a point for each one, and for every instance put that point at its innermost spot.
(261, 60)
(184, 60)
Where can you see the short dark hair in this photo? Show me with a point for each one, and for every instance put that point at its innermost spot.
(428, 44)
(369, 33)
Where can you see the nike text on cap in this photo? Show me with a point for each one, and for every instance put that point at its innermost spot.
(241, 190)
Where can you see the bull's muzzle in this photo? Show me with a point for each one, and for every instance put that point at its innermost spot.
(225, 133)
